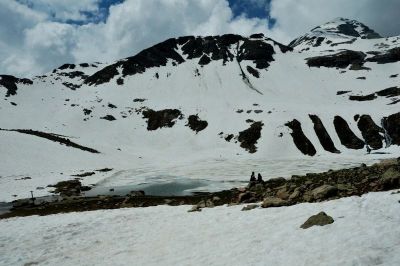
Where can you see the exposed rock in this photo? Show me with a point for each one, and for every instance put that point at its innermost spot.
(10, 83)
(253, 71)
(320, 219)
(346, 136)
(362, 98)
(108, 117)
(324, 192)
(196, 124)
(370, 132)
(67, 66)
(246, 197)
(85, 174)
(392, 126)
(273, 202)
(391, 178)
(282, 194)
(339, 60)
(250, 207)
(389, 92)
(342, 92)
(323, 135)
(390, 56)
(195, 208)
(299, 139)
(248, 138)
(162, 118)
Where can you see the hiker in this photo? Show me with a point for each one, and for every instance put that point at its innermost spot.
(252, 177)
(259, 178)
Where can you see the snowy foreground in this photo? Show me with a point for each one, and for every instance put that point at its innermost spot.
(365, 232)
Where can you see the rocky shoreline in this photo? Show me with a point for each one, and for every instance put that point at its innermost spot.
(274, 192)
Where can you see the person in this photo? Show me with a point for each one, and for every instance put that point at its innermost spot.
(259, 178)
(252, 177)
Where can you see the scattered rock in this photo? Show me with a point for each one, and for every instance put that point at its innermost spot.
(273, 202)
(250, 207)
(391, 178)
(324, 192)
(108, 117)
(319, 219)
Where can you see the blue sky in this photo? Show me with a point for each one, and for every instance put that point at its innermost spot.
(39, 35)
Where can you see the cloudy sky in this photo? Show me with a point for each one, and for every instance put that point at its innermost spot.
(39, 35)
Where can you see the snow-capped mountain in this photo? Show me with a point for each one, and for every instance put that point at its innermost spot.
(189, 102)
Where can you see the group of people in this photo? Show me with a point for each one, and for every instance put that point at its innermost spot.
(254, 180)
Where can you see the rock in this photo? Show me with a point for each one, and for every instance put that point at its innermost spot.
(320, 219)
(391, 178)
(324, 192)
(210, 203)
(249, 207)
(216, 199)
(195, 208)
(273, 202)
(282, 194)
(300, 139)
(296, 193)
(138, 193)
(245, 197)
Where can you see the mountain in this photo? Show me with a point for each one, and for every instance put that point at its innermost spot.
(212, 108)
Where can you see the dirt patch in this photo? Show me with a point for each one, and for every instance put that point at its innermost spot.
(196, 124)
(53, 137)
(346, 136)
(323, 135)
(248, 138)
(299, 138)
(162, 118)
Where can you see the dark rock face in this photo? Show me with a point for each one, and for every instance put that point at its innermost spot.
(108, 117)
(320, 219)
(10, 83)
(323, 135)
(67, 66)
(299, 139)
(53, 137)
(248, 138)
(362, 98)
(370, 132)
(207, 49)
(346, 136)
(392, 126)
(253, 71)
(196, 124)
(390, 56)
(162, 118)
(388, 93)
(339, 60)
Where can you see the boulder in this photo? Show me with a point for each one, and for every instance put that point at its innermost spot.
(320, 219)
(391, 178)
(324, 192)
(273, 202)
(249, 207)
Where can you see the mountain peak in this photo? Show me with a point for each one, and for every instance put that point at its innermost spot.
(347, 27)
(339, 30)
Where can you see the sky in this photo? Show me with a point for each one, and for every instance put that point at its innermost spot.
(37, 36)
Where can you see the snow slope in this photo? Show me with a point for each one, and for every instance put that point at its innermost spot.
(365, 232)
(223, 90)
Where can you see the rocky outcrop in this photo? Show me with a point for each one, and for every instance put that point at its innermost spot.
(319, 219)
(390, 56)
(323, 135)
(346, 136)
(299, 139)
(196, 124)
(338, 60)
(248, 138)
(206, 49)
(10, 84)
(161, 118)
(370, 132)
(392, 127)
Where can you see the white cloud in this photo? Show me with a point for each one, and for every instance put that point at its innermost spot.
(295, 17)
(31, 42)
(131, 26)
